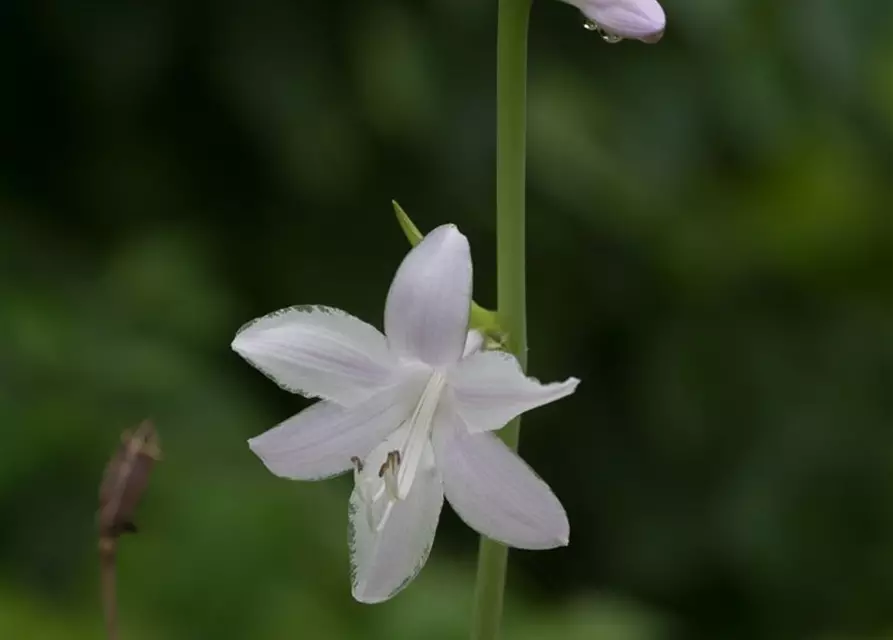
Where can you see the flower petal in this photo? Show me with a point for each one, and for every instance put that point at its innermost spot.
(638, 19)
(490, 389)
(426, 315)
(384, 562)
(318, 352)
(320, 441)
(493, 490)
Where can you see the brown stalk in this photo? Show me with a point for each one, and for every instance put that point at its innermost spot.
(123, 484)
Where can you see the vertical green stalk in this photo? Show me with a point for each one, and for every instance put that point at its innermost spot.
(511, 122)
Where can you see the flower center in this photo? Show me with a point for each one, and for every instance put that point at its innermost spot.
(387, 474)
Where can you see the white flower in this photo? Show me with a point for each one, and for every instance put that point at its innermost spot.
(636, 19)
(411, 413)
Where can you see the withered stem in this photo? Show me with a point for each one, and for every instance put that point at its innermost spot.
(108, 586)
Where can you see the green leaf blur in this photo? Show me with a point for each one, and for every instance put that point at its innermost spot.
(710, 241)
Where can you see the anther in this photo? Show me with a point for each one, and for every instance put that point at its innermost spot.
(391, 462)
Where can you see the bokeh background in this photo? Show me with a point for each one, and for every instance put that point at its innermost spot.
(710, 251)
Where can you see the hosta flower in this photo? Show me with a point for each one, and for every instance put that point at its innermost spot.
(412, 413)
(635, 19)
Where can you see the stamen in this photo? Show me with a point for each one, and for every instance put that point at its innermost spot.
(391, 462)
(380, 491)
(384, 517)
(378, 496)
(389, 471)
(419, 432)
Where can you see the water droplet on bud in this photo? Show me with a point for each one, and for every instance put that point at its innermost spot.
(591, 25)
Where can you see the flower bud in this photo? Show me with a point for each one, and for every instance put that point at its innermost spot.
(618, 19)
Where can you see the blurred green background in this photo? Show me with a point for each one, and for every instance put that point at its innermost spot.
(710, 251)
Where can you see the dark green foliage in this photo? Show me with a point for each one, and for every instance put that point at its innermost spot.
(710, 252)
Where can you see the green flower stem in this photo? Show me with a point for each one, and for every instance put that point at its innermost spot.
(511, 122)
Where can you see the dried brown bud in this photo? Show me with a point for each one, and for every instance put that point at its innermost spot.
(125, 479)
(123, 484)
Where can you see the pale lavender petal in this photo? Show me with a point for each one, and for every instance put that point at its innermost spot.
(384, 562)
(493, 490)
(637, 19)
(426, 316)
(318, 352)
(490, 389)
(320, 441)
